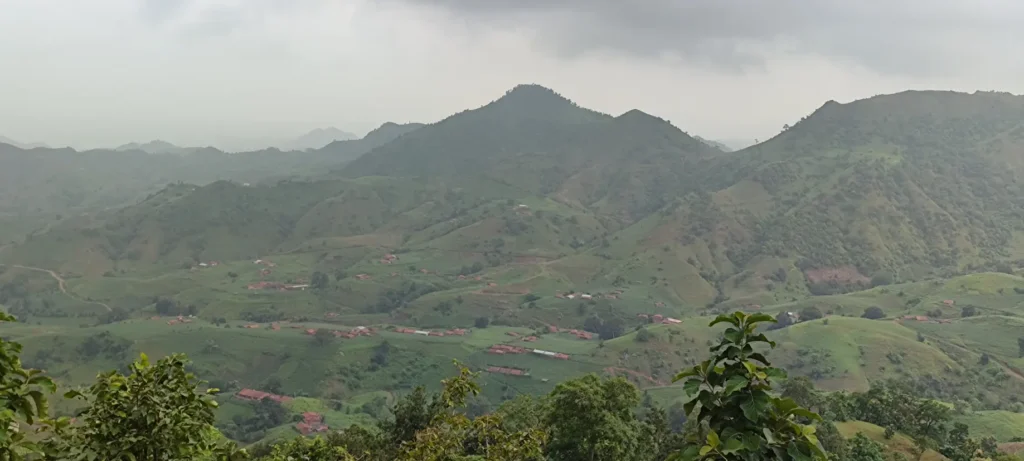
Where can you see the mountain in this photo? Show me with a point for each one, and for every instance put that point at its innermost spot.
(40, 185)
(537, 141)
(315, 139)
(162, 147)
(917, 184)
(20, 145)
(716, 144)
(532, 222)
(345, 150)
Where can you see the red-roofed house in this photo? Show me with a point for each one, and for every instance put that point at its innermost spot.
(311, 422)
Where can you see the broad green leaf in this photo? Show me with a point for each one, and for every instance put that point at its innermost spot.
(713, 440)
(686, 374)
(724, 318)
(732, 445)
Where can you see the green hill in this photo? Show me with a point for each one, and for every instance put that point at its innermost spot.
(531, 213)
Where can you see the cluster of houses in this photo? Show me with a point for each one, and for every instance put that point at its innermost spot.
(311, 423)
(921, 318)
(452, 332)
(507, 371)
(465, 277)
(579, 334)
(253, 395)
(388, 259)
(277, 286)
(180, 320)
(363, 277)
(503, 349)
(587, 296)
(210, 264)
(355, 332)
(658, 318)
(264, 262)
(255, 326)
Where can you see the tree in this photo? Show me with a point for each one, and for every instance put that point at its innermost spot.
(881, 278)
(810, 313)
(23, 395)
(322, 336)
(302, 448)
(319, 280)
(1020, 346)
(166, 306)
(155, 413)
(593, 419)
(481, 322)
(862, 448)
(734, 392)
(959, 445)
(873, 313)
(643, 336)
(273, 385)
(451, 435)
(968, 311)
(611, 329)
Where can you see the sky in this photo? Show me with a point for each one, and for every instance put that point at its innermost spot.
(231, 72)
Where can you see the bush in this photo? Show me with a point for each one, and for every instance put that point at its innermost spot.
(968, 311)
(881, 278)
(810, 313)
(481, 322)
(642, 335)
(873, 313)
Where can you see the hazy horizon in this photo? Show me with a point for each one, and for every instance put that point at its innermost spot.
(196, 72)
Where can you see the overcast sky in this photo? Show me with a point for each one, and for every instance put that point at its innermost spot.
(105, 72)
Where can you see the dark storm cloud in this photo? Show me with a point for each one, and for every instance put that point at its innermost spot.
(917, 37)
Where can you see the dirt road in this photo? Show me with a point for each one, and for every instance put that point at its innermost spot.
(62, 284)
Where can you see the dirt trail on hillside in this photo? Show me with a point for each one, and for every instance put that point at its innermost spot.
(62, 284)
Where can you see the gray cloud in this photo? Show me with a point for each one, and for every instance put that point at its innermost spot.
(161, 11)
(911, 37)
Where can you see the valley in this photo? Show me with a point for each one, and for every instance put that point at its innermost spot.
(535, 241)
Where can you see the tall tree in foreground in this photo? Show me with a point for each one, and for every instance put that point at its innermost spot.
(731, 398)
(452, 436)
(23, 399)
(157, 413)
(592, 419)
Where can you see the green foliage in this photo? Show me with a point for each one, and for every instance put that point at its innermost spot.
(892, 405)
(593, 419)
(810, 313)
(862, 448)
(155, 413)
(23, 393)
(319, 280)
(301, 448)
(731, 393)
(873, 313)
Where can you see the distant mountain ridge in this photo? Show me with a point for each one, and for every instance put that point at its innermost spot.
(21, 145)
(161, 147)
(316, 139)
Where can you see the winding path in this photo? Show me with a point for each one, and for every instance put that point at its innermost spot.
(62, 284)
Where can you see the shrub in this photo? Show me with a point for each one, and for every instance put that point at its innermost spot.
(873, 313)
